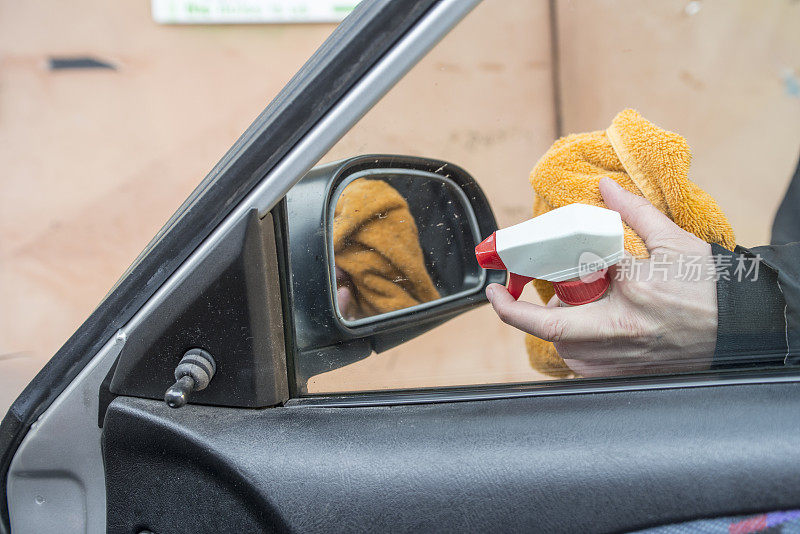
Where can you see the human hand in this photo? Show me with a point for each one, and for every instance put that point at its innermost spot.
(344, 295)
(656, 325)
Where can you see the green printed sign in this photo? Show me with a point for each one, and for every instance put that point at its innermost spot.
(250, 11)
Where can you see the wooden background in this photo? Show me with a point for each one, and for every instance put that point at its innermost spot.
(94, 162)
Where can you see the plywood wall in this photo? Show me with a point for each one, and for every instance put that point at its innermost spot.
(95, 162)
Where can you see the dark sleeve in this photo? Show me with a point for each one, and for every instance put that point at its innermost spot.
(752, 307)
(785, 261)
(786, 226)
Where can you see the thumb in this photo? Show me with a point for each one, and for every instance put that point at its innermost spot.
(550, 322)
(644, 218)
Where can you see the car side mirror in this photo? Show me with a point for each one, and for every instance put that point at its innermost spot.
(381, 250)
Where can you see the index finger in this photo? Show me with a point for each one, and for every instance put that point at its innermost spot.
(556, 324)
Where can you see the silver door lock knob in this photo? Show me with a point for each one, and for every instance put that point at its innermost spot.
(194, 372)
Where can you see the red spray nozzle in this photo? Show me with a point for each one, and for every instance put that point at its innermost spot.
(488, 258)
(486, 252)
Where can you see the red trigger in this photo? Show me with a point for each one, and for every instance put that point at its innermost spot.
(516, 283)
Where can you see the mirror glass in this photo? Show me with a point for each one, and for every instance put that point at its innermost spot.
(400, 239)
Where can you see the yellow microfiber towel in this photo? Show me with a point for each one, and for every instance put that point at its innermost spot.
(645, 160)
(376, 242)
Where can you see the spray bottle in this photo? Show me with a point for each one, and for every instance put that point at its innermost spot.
(572, 246)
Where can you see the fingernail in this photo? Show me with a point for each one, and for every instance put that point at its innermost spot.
(610, 181)
(489, 293)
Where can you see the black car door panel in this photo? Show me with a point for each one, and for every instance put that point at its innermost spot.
(599, 462)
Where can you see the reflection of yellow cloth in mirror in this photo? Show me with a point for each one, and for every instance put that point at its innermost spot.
(375, 241)
(645, 160)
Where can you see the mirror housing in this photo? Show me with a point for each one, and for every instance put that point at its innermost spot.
(323, 339)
